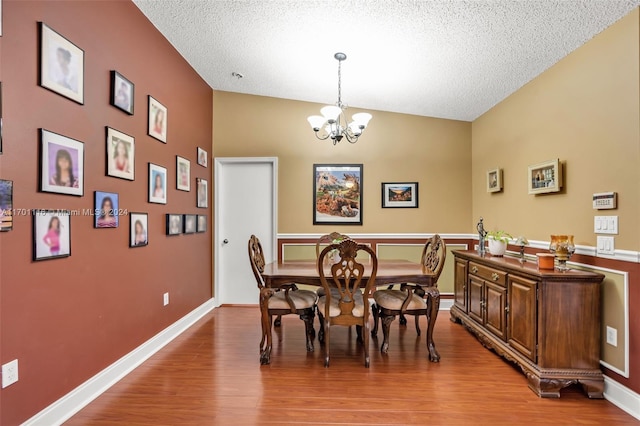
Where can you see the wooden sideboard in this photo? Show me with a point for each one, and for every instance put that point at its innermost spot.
(545, 321)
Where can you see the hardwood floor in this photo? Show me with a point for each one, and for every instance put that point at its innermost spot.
(211, 375)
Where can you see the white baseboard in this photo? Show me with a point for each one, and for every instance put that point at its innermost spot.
(622, 397)
(61, 410)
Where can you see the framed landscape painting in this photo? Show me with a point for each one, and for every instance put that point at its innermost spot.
(401, 194)
(337, 194)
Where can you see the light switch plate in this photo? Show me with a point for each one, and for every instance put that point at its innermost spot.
(605, 245)
(605, 225)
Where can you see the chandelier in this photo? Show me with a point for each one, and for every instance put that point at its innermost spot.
(332, 123)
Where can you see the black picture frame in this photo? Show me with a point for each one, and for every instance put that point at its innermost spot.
(61, 67)
(55, 150)
(122, 93)
(202, 193)
(138, 229)
(157, 120)
(6, 205)
(337, 194)
(157, 184)
(51, 234)
(190, 223)
(399, 195)
(202, 223)
(121, 154)
(183, 174)
(174, 224)
(106, 210)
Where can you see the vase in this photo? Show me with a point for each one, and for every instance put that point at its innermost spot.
(497, 248)
(562, 247)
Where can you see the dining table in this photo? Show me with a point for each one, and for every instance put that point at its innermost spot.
(390, 271)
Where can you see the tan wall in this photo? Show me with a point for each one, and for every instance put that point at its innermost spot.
(395, 147)
(585, 111)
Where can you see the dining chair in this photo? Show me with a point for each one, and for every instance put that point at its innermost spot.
(410, 298)
(287, 299)
(343, 302)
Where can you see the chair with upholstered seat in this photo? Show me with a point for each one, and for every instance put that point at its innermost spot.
(343, 302)
(287, 299)
(410, 298)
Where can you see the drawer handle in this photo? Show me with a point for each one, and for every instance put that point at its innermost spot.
(495, 276)
(474, 269)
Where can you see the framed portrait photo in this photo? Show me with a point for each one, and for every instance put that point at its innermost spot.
(202, 191)
(6, 205)
(400, 194)
(61, 65)
(157, 184)
(121, 94)
(337, 194)
(106, 209)
(202, 223)
(183, 174)
(174, 224)
(494, 180)
(138, 229)
(157, 120)
(61, 164)
(121, 152)
(190, 223)
(51, 234)
(202, 157)
(545, 177)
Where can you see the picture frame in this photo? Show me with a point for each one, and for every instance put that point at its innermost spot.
(0, 18)
(61, 64)
(157, 120)
(174, 224)
(494, 180)
(6, 205)
(202, 157)
(51, 234)
(122, 92)
(121, 154)
(157, 184)
(202, 193)
(202, 223)
(1, 150)
(190, 223)
(138, 229)
(61, 164)
(106, 209)
(337, 194)
(183, 174)
(399, 195)
(545, 177)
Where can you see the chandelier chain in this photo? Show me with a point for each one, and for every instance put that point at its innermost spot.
(340, 83)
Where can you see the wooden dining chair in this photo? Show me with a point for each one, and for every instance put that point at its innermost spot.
(410, 298)
(287, 299)
(343, 302)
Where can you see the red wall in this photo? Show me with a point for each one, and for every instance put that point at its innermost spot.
(67, 319)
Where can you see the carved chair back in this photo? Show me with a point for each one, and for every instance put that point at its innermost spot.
(328, 239)
(434, 255)
(256, 255)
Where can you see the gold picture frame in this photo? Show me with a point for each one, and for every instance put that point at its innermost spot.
(545, 177)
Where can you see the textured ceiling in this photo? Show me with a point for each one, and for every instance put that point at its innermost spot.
(450, 59)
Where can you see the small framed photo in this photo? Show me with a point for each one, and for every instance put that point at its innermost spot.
(174, 224)
(400, 194)
(183, 174)
(202, 193)
(51, 234)
(157, 120)
(331, 181)
(0, 110)
(157, 184)
(6, 205)
(202, 157)
(190, 223)
(494, 180)
(61, 65)
(545, 177)
(106, 210)
(121, 154)
(61, 164)
(121, 95)
(202, 223)
(138, 227)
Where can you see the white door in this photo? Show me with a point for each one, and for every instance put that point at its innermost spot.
(245, 204)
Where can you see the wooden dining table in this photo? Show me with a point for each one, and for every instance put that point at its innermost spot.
(389, 272)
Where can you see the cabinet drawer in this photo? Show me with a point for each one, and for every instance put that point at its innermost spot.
(494, 275)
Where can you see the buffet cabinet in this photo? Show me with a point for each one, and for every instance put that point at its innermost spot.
(545, 321)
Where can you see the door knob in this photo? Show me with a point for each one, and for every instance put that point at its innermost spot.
(225, 241)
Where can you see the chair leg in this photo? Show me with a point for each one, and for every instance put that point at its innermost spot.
(265, 350)
(403, 319)
(307, 316)
(365, 335)
(359, 334)
(417, 317)
(321, 328)
(386, 327)
(433, 305)
(278, 321)
(327, 338)
(375, 312)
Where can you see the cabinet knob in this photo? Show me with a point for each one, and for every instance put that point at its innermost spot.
(474, 269)
(506, 309)
(495, 276)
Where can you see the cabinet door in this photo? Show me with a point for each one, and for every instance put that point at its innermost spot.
(460, 285)
(522, 316)
(495, 303)
(475, 291)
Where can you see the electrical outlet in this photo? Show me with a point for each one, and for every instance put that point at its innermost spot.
(166, 299)
(612, 336)
(9, 373)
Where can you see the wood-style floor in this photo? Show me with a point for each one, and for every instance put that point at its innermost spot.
(211, 375)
